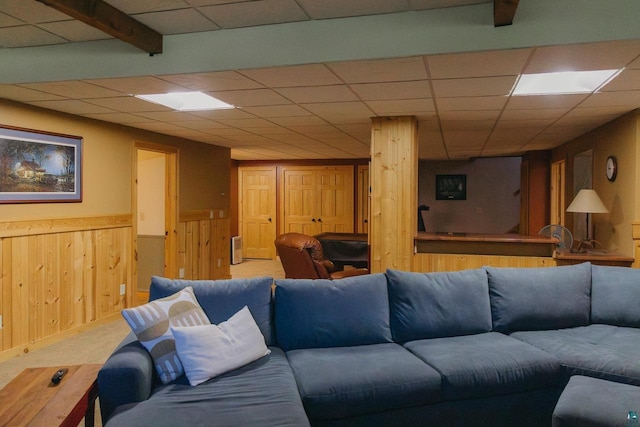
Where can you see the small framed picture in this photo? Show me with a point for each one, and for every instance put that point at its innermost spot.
(38, 167)
(451, 187)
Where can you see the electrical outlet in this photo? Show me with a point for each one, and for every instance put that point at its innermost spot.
(219, 262)
(123, 289)
(181, 273)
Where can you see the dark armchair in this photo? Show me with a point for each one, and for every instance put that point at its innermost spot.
(302, 258)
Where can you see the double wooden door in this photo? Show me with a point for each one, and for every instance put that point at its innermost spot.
(317, 199)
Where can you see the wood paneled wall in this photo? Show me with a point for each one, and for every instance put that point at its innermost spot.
(204, 245)
(58, 275)
(425, 263)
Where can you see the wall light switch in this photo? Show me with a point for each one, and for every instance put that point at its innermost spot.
(123, 289)
(219, 262)
(0, 321)
(181, 273)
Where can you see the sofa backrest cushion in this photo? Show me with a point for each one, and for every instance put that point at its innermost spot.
(615, 295)
(332, 313)
(435, 305)
(540, 298)
(221, 299)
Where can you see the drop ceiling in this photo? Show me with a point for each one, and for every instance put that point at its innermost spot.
(323, 110)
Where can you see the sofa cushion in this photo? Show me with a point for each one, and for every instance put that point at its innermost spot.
(220, 299)
(596, 403)
(486, 364)
(601, 351)
(211, 350)
(263, 393)
(152, 323)
(540, 298)
(433, 305)
(332, 313)
(348, 381)
(615, 292)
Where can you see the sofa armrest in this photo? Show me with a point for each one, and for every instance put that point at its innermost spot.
(127, 376)
(349, 273)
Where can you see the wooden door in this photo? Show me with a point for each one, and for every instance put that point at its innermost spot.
(258, 212)
(299, 201)
(362, 225)
(335, 193)
(316, 199)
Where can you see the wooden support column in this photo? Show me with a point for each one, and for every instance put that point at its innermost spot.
(394, 192)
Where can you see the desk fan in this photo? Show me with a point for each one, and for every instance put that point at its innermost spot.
(564, 236)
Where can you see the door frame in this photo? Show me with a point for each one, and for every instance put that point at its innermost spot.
(170, 207)
(274, 206)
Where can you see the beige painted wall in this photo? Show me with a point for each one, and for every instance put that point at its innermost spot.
(618, 138)
(107, 162)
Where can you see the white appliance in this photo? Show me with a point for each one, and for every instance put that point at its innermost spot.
(236, 250)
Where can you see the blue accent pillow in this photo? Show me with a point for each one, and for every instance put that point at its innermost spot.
(435, 305)
(221, 299)
(615, 296)
(525, 299)
(332, 313)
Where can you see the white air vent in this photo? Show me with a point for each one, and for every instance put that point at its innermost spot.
(236, 250)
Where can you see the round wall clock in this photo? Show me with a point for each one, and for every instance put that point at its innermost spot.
(612, 168)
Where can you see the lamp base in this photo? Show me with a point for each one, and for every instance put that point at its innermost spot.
(587, 245)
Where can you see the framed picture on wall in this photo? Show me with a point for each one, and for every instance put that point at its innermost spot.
(451, 187)
(37, 167)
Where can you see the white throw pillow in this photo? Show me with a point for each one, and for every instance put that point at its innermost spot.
(211, 350)
(151, 323)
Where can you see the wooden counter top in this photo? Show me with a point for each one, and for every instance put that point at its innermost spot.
(594, 257)
(485, 244)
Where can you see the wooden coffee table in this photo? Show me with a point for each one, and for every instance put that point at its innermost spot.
(32, 400)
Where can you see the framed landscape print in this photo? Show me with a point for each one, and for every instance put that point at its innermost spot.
(451, 187)
(38, 167)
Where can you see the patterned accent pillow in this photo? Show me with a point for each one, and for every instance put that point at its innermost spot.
(152, 324)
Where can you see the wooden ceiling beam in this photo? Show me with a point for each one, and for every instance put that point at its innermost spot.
(112, 21)
(504, 11)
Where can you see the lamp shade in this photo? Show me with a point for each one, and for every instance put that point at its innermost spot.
(587, 201)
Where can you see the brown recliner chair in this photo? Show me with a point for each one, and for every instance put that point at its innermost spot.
(302, 258)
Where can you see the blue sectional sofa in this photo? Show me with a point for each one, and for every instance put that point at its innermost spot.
(484, 347)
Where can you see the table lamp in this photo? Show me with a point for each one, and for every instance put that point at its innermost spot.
(587, 201)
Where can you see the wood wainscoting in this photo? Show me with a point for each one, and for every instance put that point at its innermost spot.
(61, 274)
(204, 245)
(425, 263)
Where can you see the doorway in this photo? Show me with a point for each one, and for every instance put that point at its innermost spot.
(155, 213)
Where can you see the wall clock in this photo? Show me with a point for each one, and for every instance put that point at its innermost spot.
(612, 168)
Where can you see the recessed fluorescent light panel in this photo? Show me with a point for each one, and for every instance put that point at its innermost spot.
(565, 82)
(186, 101)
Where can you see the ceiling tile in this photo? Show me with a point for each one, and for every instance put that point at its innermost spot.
(176, 21)
(9, 21)
(71, 106)
(18, 93)
(127, 104)
(545, 101)
(491, 115)
(478, 64)
(201, 124)
(36, 12)
(629, 79)
(611, 99)
(483, 86)
(27, 36)
(258, 12)
(122, 118)
(401, 106)
(580, 57)
(393, 90)
(217, 81)
(234, 113)
(385, 70)
(301, 75)
(278, 111)
(167, 116)
(141, 6)
(339, 108)
(548, 113)
(252, 98)
(433, 4)
(340, 8)
(302, 95)
(466, 124)
(74, 31)
(72, 89)
(247, 123)
(472, 103)
(137, 85)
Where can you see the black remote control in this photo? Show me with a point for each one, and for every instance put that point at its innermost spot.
(57, 377)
